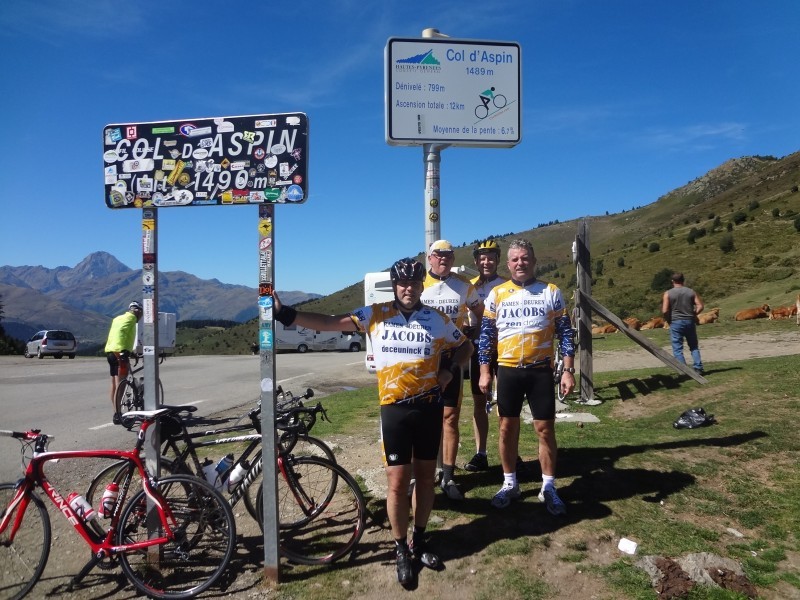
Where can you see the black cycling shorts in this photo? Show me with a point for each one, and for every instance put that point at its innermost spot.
(411, 430)
(475, 372)
(514, 385)
(117, 366)
(452, 394)
(113, 363)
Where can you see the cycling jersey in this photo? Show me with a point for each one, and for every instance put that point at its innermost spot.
(483, 287)
(122, 335)
(520, 320)
(453, 295)
(407, 352)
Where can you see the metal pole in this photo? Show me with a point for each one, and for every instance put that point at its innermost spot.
(266, 343)
(149, 330)
(431, 156)
(584, 283)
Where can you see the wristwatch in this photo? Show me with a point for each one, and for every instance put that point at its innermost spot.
(569, 369)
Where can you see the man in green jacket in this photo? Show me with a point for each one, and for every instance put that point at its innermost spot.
(120, 343)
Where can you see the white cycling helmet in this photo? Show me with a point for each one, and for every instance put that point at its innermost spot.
(135, 306)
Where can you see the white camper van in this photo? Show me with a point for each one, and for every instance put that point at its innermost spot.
(302, 339)
(377, 288)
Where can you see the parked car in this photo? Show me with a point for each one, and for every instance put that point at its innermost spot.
(52, 342)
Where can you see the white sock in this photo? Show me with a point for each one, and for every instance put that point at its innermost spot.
(510, 479)
(548, 480)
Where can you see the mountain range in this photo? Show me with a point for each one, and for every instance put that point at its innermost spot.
(84, 298)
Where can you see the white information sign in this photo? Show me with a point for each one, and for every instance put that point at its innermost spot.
(458, 92)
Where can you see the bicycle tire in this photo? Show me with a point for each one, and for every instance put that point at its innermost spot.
(127, 398)
(335, 526)
(24, 560)
(200, 554)
(306, 445)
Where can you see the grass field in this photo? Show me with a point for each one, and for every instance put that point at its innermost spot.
(631, 475)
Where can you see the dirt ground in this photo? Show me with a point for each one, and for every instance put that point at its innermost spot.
(371, 574)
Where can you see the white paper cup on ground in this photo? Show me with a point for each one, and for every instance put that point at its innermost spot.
(628, 546)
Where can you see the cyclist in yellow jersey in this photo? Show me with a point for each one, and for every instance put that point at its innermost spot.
(521, 319)
(410, 341)
(119, 345)
(456, 297)
(486, 255)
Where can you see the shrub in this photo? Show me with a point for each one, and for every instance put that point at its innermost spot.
(621, 261)
(776, 212)
(753, 205)
(598, 267)
(729, 226)
(726, 243)
(739, 217)
(661, 280)
(654, 247)
(797, 224)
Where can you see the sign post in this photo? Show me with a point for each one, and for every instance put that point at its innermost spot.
(246, 160)
(444, 92)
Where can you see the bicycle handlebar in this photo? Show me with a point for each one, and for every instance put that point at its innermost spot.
(31, 434)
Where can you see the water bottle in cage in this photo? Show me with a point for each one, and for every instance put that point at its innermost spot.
(81, 507)
(238, 474)
(108, 501)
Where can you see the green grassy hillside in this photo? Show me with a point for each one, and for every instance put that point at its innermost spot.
(733, 232)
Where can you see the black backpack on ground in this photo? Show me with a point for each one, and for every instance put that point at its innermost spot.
(694, 417)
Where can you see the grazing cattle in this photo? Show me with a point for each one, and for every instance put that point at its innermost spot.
(753, 313)
(782, 312)
(711, 316)
(655, 323)
(601, 329)
(633, 323)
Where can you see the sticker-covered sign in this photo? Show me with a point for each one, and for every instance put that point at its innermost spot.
(191, 162)
(459, 92)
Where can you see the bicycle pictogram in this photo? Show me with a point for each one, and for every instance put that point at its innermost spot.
(489, 97)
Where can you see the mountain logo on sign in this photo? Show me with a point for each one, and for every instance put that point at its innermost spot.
(426, 58)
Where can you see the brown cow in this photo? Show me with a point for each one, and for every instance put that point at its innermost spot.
(600, 329)
(782, 312)
(654, 323)
(633, 323)
(753, 313)
(711, 316)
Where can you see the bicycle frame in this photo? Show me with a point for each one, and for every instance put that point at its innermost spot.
(101, 546)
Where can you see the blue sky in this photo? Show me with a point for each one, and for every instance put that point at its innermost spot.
(622, 101)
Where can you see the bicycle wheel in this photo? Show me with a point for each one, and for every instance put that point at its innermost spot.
(126, 399)
(23, 560)
(205, 539)
(334, 519)
(305, 446)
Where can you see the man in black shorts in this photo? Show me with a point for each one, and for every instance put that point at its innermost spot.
(521, 318)
(455, 296)
(409, 340)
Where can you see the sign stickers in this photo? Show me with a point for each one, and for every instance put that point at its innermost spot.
(252, 159)
(460, 92)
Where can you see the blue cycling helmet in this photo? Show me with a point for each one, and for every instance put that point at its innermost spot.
(407, 269)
